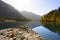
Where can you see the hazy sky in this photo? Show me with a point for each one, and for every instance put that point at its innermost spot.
(39, 7)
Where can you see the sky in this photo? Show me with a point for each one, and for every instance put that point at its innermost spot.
(39, 7)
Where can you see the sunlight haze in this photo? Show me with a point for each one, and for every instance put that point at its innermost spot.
(39, 7)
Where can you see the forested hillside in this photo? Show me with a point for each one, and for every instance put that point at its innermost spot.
(52, 16)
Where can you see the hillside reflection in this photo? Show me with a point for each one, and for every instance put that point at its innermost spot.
(52, 26)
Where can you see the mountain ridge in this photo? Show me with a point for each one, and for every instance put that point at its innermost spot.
(7, 11)
(30, 15)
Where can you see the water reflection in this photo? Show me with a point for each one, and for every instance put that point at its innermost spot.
(17, 24)
(46, 33)
(53, 26)
(49, 30)
(10, 25)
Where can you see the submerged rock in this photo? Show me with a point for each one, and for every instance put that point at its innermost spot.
(19, 33)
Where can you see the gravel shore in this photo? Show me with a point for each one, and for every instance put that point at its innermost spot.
(20, 33)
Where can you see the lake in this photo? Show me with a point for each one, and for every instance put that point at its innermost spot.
(47, 31)
(17, 24)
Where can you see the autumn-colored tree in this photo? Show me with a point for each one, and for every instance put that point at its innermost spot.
(52, 16)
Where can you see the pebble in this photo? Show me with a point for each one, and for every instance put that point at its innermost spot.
(21, 33)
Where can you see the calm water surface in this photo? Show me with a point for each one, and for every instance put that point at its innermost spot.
(48, 31)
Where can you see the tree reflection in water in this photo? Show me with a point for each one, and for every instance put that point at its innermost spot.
(53, 26)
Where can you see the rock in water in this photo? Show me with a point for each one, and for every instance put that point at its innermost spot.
(19, 33)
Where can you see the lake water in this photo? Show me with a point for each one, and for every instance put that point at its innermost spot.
(29, 24)
(48, 32)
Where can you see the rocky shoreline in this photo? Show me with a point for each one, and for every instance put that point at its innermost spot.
(19, 33)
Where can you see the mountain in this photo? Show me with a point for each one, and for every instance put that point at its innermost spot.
(9, 12)
(30, 15)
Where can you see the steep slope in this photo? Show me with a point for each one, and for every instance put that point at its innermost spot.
(30, 15)
(7, 11)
